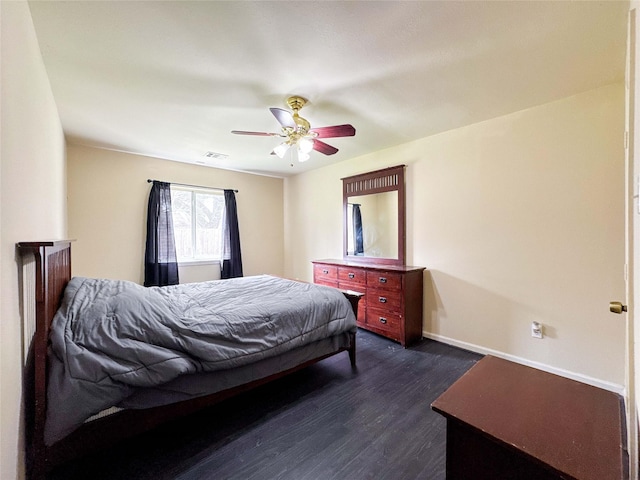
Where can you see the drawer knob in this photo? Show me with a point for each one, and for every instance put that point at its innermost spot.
(352, 275)
(382, 280)
(383, 320)
(382, 299)
(325, 271)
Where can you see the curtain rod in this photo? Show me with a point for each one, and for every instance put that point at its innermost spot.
(189, 185)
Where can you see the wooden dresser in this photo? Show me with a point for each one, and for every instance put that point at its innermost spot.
(392, 302)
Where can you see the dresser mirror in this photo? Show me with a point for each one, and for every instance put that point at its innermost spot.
(374, 217)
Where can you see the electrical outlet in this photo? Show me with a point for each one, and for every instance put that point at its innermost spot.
(536, 330)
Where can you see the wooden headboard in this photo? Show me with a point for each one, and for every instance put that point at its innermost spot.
(52, 271)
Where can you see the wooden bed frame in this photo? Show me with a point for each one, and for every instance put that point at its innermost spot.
(52, 273)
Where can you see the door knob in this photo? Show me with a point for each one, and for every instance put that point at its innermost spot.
(617, 307)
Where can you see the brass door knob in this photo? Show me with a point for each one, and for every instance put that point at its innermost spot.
(617, 307)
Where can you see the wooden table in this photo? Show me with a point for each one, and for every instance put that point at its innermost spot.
(509, 421)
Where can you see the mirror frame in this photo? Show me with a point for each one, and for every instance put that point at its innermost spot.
(386, 180)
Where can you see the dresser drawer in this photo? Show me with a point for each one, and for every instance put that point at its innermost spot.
(323, 273)
(353, 276)
(387, 300)
(385, 280)
(389, 323)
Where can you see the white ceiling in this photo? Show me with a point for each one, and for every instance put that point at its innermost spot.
(171, 79)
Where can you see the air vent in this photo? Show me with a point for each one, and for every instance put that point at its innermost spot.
(216, 156)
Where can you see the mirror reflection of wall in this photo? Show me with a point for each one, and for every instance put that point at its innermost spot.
(379, 221)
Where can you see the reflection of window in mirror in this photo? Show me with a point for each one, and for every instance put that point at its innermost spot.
(378, 234)
(355, 239)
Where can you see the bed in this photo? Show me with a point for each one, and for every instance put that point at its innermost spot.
(157, 395)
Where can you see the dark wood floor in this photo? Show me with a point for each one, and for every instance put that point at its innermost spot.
(324, 422)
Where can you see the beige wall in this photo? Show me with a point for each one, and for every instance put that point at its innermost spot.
(32, 202)
(518, 219)
(108, 196)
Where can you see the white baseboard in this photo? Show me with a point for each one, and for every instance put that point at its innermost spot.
(612, 387)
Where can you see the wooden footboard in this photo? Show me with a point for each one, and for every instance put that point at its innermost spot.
(52, 273)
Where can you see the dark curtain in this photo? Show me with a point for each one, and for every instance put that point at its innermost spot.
(358, 244)
(160, 262)
(231, 255)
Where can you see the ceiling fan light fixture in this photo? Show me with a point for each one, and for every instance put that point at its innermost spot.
(281, 149)
(302, 156)
(305, 144)
(298, 133)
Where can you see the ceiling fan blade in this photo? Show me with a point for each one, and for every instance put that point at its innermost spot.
(284, 117)
(324, 147)
(335, 131)
(261, 134)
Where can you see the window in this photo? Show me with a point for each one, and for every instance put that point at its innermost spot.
(197, 224)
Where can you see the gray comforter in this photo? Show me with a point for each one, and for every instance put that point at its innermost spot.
(112, 337)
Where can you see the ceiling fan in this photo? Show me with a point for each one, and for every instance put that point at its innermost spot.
(297, 132)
